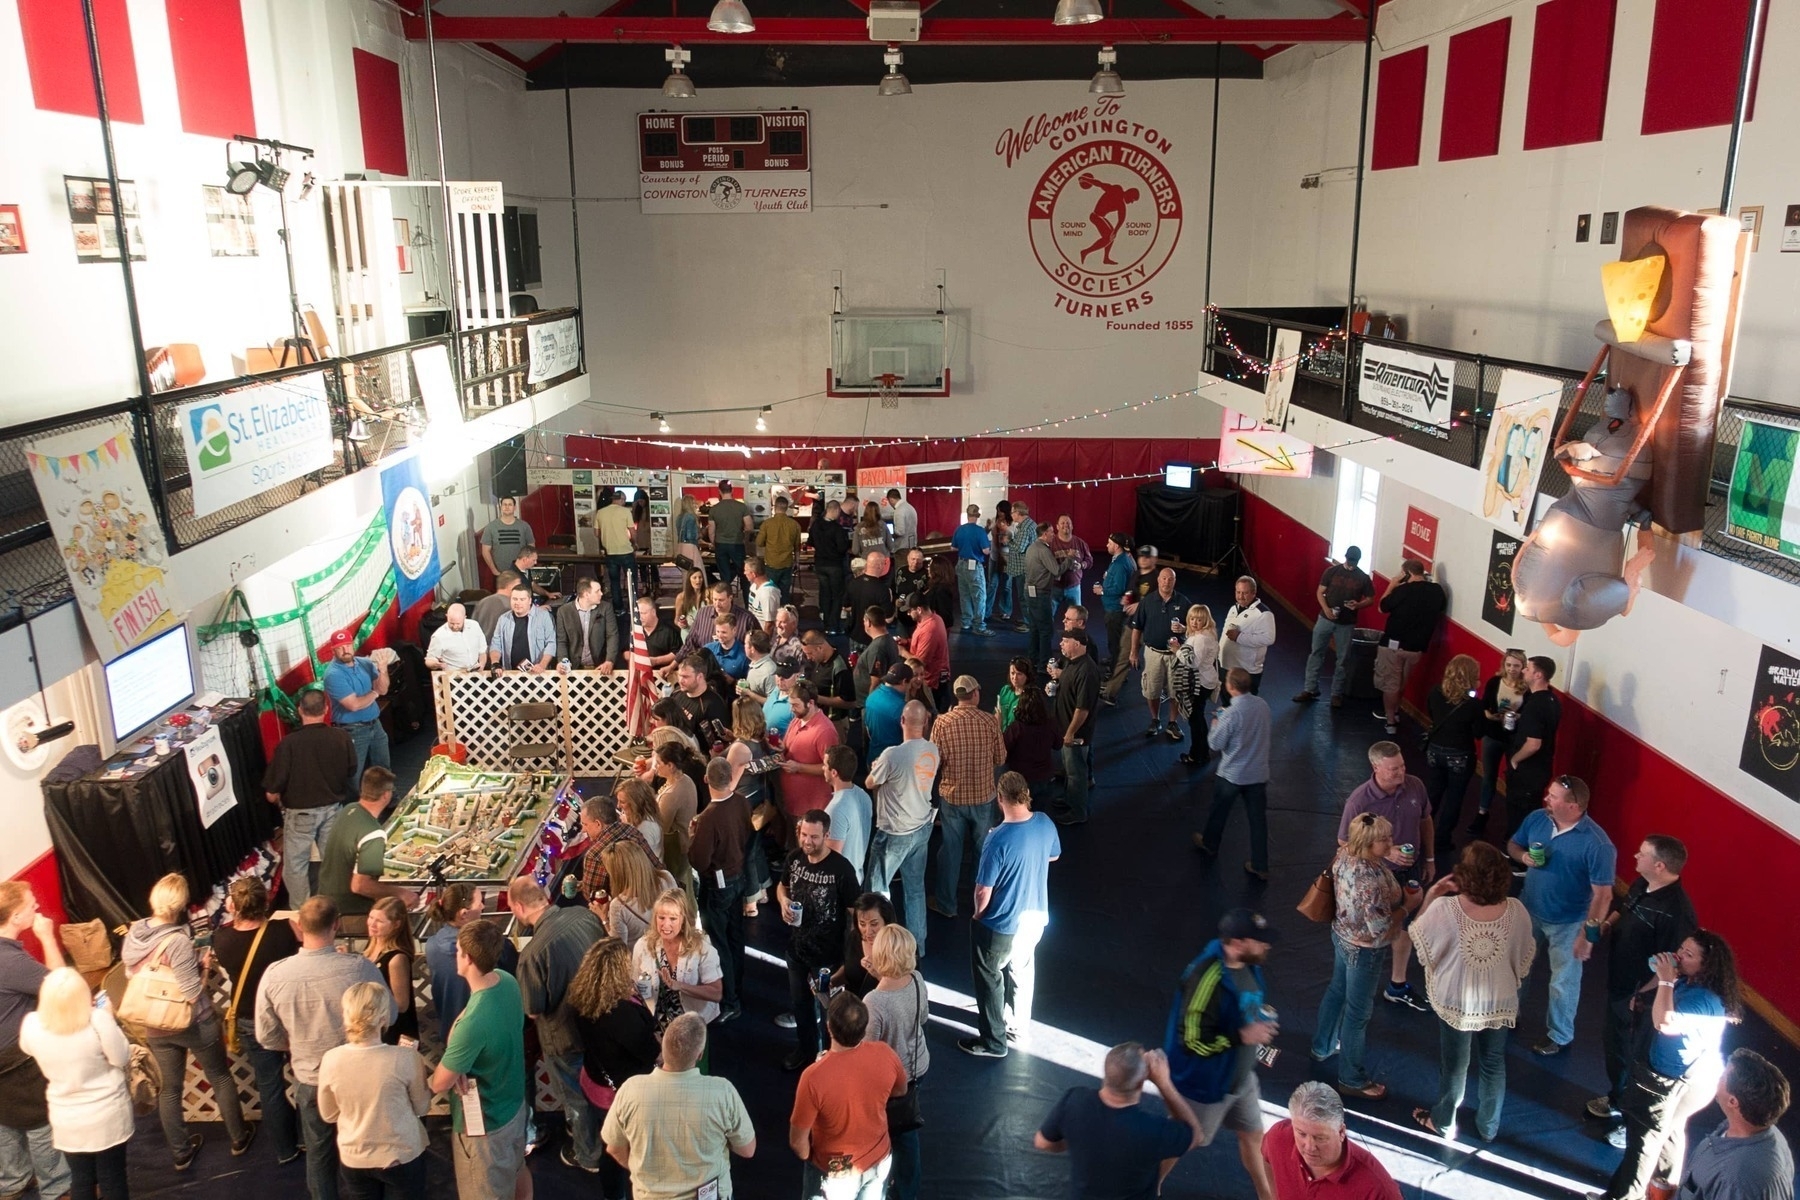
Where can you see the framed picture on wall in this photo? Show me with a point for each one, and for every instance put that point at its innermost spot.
(12, 230)
(403, 244)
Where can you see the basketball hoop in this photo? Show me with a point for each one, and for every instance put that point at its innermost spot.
(887, 386)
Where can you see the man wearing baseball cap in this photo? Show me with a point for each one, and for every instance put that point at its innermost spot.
(970, 750)
(1076, 700)
(1217, 1026)
(356, 686)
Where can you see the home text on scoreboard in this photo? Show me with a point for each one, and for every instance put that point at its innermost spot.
(724, 141)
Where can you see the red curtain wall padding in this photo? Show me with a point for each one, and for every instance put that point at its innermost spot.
(1571, 60)
(1399, 110)
(212, 67)
(383, 112)
(56, 55)
(1475, 92)
(1696, 53)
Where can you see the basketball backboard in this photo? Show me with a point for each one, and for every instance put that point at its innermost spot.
(911, 346)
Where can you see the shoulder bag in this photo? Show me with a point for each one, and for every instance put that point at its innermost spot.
(154, 999)
(232, 1042)
(1320, 902)
(903, 1110)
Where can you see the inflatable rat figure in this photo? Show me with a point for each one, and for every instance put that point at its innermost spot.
(1568, 575)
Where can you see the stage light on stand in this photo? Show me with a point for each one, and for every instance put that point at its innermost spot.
(678, 86)
(893, 83)
(1077, 12)
(1106, 79)
(730, 16)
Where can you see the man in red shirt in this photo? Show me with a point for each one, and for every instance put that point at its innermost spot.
(930, 644)
(1311, 1156)
(839, 1124)
(808, 737)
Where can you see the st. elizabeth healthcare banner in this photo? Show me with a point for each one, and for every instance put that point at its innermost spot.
(242, 443)
(99, 509)
(412, 531)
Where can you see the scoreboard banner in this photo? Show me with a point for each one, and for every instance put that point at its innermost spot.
(744, 162)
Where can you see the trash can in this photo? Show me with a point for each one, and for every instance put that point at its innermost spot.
(1363, 643)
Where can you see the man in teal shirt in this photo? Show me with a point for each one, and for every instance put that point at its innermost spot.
(484, 1061)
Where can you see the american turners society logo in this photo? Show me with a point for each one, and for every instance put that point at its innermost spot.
(1104, 215)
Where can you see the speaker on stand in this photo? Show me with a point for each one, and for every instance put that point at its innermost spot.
(1218, 520)
(506, 470)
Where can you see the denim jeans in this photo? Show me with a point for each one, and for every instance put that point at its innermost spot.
(729, 558)
(1256, 810)
(371, 742)
(301, 829)
(902, 854)
(1349, 1002)
(278, 1118)
(97, 1173)
(619, 568)
(961, 822)
(27, 1153)
(1067, 596)
(1453, 1075)
(831, 597)
(402, 1181)
(1447, 775)
(856, 1185)
(171, 1051)
(1656, 1111)
(722, 916)
(1075, 786)
(1005, 969)
(809, 1027)
(782, 578)
(1327, 632)
(321, 1144)
(1565, 975)
(1000, 604)
(971, 589)
(1040, 623)
(578, 1115)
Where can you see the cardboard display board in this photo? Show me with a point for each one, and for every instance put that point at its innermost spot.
(585, 484)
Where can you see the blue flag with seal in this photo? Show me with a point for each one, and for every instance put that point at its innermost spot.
(412, 531)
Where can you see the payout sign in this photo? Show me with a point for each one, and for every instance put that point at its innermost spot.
(242, 443)
(1104, 214)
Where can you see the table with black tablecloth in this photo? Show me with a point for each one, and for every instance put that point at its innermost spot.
(114, 838)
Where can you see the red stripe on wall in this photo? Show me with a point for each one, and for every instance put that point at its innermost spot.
(383, 112)
(1571, 60)
(56, 55)
(1636, 790)
(1696, 55)
(1399, 110)
(1475, 92)
(212, 67)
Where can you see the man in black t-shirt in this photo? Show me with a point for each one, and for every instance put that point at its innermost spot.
(1531, 753)
(1653, 917)
(1413, 604)
(308, 777)
(1344, 590)
(1076, 700)
(1114, 1146)
(830, 544)
(1158, 627)
(708, 713)
(662, 640)
(824, 886)
(875, 658)
(873, 588)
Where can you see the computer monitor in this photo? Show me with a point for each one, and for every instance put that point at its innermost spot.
(148, 681)
(1179, 475)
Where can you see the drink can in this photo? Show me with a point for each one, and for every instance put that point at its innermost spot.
(646, 986)
(1412, 885)
(1653, 964)
(824, 987)
(1266, 1014)
(563, 666)
(1510, 720)
(1539, 854)
(1407, 849)
(794, 910)
(1660, 1188)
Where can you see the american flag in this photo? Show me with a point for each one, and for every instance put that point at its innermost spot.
(639, 692)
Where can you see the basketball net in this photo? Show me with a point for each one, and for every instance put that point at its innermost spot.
(887, 386)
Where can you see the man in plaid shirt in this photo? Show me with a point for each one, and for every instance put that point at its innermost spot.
(601, 824)
(969, 744)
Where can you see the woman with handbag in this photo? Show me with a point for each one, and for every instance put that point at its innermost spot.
(1370, 909)
(898, 1007)
(1199, 654)
(1457, 721)
(166, 993)
(83, 1057)
(635, 887)
(245, 946)
(618, 1038)
(1475, 944)
(376, 1094)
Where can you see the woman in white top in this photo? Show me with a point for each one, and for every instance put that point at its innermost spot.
(1475, 944)
(681, 959)
(375, 1095)
(1202, 648)
(84, 1057)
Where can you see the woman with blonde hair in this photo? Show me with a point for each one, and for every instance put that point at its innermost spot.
(1199, 655)
(687, 536)
(1504, 693)
(899, 1006)
(679, 960)
(1457, 720)
(162, 939)
(392, 951)
(635, 888)
(83, 1056)
(375, 1093)
(617, 1032)
(637, 806)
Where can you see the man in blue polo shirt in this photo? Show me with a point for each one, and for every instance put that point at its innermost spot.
(356, 686)
(972, 550)
(1012, 910)
(1569, 865)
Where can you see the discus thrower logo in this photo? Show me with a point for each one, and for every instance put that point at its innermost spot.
(1430, 386)
(725, 192)
(206, 425)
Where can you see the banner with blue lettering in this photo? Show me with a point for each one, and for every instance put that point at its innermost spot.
(412, 531)
(241, 443)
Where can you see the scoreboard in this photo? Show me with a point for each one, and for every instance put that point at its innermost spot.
(754, 162)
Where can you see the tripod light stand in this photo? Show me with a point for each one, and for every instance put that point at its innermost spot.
(267, 170)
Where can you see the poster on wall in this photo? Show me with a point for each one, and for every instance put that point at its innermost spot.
(412, 531)
(1420, 537)
(555, 349)
(239, 444)
(1518, 443)
(1497, 602)
(12, 230)
(984, 483)
(1772, 734)
(98, 506)
(803, 490)
(1763, 505)
(1251, 447)
(91, 219)
(1283, 366)
(1407, 388)
(230, 223)
(210, 771)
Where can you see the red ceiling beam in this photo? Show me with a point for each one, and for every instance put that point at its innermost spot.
(852, 31)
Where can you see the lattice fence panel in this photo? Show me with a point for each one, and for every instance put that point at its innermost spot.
(472, 707)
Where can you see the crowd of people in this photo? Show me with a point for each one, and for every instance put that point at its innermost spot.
(806, 770)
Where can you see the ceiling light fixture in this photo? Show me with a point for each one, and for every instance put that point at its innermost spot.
(1106, 79)
(678, 86)
(730, 16)
(662, 423)
(1077, 12)
(762, 418)
(893, 83)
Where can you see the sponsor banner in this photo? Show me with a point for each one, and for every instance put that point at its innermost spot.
(1518, 445)
(242, 443)
(1284, 364)
(1251, 447)
(1772, 734)
(210, 772)
(1406, 387)
(1498, 605)
(1763, 505)
(725, 191)
(1420, 539)
(94, 497)
(412, 531)
(555, 349)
